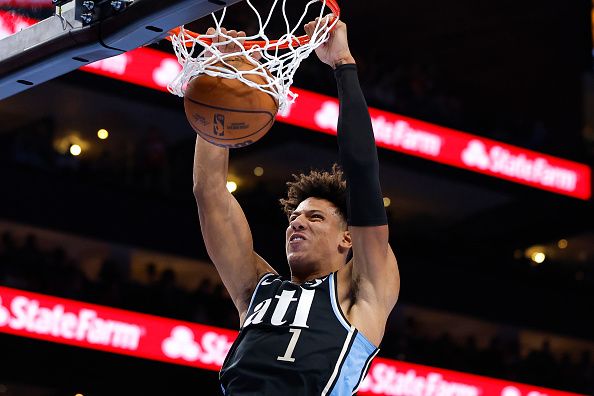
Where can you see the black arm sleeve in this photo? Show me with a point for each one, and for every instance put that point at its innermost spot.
(357, 152)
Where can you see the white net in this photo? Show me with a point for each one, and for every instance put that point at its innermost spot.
(273, 63)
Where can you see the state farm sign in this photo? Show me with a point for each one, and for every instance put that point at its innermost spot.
(392, 378)
(499, 160)
(84, 326)
(112, 330)
(451, 147)
(151, 337)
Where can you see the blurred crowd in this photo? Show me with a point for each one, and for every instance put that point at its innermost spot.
(24, 265)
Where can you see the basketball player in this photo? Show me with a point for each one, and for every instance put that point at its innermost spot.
(316, 333)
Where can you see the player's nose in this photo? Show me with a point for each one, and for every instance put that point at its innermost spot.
(297, 223)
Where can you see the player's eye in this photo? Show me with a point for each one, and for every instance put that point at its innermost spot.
(317, 216)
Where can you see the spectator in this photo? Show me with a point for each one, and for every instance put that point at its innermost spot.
(169, 299)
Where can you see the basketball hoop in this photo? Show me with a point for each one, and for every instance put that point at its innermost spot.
(275, 61)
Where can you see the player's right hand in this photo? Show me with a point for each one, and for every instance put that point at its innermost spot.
(231, 46)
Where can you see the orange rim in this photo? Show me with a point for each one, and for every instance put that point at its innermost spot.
(301, 40)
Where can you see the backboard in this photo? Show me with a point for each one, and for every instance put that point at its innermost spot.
(82, 31)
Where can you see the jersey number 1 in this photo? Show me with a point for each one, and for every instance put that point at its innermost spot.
(287, 357)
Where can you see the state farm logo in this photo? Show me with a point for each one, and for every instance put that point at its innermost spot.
(500, 160)
(475, 154)
(181, 344)
(115, 65)
(28, 316)
(166, 72)
(327, 116)
(211, 348)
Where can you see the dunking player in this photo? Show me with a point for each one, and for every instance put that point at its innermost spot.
(316, 333)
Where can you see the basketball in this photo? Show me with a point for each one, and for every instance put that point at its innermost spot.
(227, 112)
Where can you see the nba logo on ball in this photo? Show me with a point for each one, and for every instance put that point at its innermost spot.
(219, 124)
(240, 114)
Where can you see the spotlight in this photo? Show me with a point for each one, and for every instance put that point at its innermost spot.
(538, 257)
(75, 150)
(387, 202)
(102, 134)
(258, 171)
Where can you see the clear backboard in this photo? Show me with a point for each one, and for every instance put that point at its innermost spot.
(80, 32)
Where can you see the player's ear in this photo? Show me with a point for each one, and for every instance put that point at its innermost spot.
(346, 241)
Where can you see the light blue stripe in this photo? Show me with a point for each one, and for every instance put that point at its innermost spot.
(338, 313)
(354, 364)
(365, 369)
(334, 304)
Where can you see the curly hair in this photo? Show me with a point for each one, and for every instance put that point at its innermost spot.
(330, 186)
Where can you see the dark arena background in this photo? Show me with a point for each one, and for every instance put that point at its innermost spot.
(484, 114)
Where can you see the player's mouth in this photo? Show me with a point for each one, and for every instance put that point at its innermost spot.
(296, 238)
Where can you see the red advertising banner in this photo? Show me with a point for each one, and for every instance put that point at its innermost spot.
(389, 377)
(155, 69)
(113, 330)
(27, 3)
(450, 147)
(117, 331)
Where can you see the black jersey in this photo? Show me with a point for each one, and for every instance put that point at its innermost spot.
(295, 340)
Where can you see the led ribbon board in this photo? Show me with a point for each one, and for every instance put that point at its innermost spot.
(129, 333)
(155, 69)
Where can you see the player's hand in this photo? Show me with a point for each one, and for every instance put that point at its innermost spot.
(335, 51)
(231, 46)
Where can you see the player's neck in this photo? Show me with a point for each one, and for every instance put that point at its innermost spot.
(315, 271)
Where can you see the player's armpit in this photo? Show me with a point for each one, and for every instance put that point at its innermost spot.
(375, 269)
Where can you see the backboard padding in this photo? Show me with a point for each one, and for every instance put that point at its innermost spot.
(60, 44)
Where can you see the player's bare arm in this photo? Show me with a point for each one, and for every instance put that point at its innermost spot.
(224, 227)
(373, 275)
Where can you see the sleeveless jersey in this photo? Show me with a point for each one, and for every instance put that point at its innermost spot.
(295, 340)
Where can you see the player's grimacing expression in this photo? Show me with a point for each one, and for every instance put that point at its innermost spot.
(316, 232)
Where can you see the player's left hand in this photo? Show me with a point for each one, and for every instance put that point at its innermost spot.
(335, 51)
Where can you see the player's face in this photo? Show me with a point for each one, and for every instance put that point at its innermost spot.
(315, 235)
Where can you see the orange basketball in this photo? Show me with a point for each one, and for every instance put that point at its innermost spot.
(227, 112)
